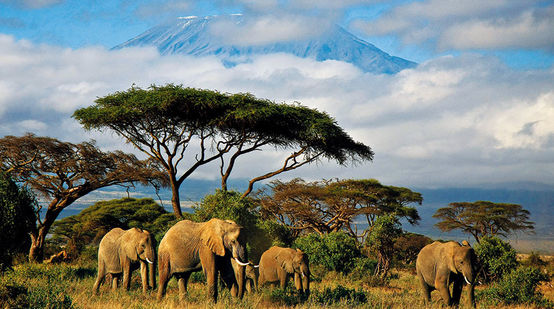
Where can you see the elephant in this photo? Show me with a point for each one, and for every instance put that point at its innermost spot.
(121, 251)
(251, 275)
(277, 264)
(440, 264)
(209, 246)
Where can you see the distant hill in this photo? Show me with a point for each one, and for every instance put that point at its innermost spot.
(192, 36)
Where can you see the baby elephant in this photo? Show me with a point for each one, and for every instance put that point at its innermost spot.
(278, 264)
(440, 264)
(120, 252)
(251, 275)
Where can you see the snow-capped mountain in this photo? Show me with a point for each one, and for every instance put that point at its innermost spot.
(192, 36)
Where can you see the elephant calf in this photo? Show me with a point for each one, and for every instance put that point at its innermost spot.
(120, 251)
(440, 264)
(278, 264)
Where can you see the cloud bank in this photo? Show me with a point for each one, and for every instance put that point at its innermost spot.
(467, 25)
(452, 121)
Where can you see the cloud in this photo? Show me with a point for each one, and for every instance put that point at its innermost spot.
(456, 120)
(266, 29)
(472, 24)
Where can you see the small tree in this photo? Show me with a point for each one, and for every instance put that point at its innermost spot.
(17, 217)
(381, 238)
(63, 172)
(408, 245)
(497, 257)
(483, 218)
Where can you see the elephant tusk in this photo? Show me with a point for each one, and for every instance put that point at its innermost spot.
(303, 275)
(467, 280)
(241, 263)
(255, 266)
(147, 260)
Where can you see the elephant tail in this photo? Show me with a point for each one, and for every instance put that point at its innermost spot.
(163, 272)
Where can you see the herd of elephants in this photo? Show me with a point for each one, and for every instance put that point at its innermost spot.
(219, 247)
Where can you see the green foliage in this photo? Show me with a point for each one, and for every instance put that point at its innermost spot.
(227, 205)
(363, 267)
(92, 223)
(518, 287)
(335, 251)
(497, 257)
(381, 238)
(535, 260)
(287, 297)
(17, 219)
(339, 294)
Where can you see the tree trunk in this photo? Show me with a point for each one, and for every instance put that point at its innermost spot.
(36, 252)
(175, 200)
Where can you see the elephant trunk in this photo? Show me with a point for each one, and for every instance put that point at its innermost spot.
(152, 275)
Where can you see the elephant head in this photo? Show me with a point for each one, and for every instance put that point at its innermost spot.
(139, 245)
(463, 260)
(225, 237)
(295, 261)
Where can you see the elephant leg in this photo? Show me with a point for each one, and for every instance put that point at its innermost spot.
(249, 285)
(182, 282)
(144, 276)
(298, 282)
(100, 278)
(425, 289)
(211, 276)
(442, 286)
(114, 282)
(126, 275)
(457, 291)
(283, 276)
(163, 269)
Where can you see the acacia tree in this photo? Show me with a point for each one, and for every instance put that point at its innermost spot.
(484, 218)
(165, 121)
(62, 172)
(327, 206)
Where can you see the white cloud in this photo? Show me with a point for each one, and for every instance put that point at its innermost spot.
(471, 24)
(461, 120)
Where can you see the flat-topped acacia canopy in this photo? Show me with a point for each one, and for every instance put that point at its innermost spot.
(161, 121)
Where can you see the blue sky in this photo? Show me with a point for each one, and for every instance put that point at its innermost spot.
(476, 111)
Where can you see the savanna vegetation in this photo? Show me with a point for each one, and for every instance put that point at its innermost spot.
(350, 229)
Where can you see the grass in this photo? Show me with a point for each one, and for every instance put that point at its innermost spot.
(70, 286)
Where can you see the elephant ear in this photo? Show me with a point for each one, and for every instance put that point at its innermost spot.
(129, 242)
(212, 237)
(284, 259)
(450, 256)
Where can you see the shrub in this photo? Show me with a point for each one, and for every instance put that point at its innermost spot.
(363, 267)
(17, 219)
(518, 287)
(335, 251)
(339, 294)
(407, 247)
(534, 259)
(496, 257)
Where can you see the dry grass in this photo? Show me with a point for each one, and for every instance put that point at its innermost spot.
(401, 292)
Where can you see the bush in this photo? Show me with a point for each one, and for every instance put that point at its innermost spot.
(39, 286)
(335, 251)
(497, 258)
(339, 294)
(363, 267)
(17, 219)
(518, 287)
(534, 259)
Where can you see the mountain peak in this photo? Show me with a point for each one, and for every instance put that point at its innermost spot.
(193, 35)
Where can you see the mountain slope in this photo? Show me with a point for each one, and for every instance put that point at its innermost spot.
(192, 36)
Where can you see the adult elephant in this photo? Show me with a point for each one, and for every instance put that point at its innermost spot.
(277, 264)
(440, 264)
(121, 251)
(189, 246)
